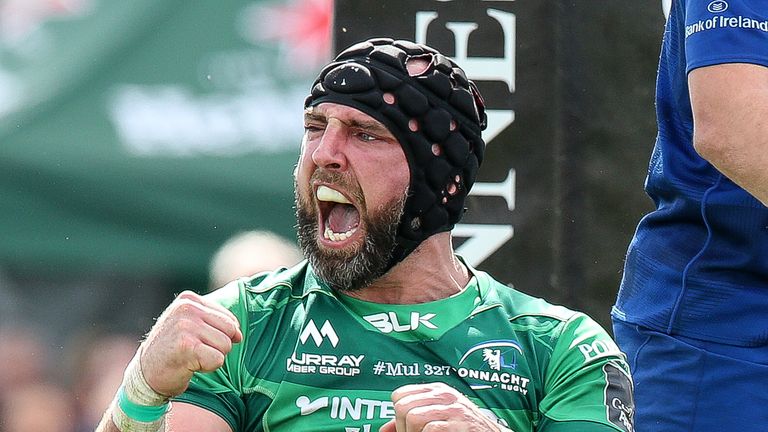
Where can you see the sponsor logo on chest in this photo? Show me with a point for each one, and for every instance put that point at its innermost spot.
(493, 364)
(322, 337)
(325, 332)
(359, 409)
(324, 364)
(388, 322)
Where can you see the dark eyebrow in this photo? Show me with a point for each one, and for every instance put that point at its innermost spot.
(371, 126)
(311, 116)
(374, 127)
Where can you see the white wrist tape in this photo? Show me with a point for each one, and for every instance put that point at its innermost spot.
(136, 387)
(136, 393)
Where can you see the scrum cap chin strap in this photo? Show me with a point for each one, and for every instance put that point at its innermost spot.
(435, 112)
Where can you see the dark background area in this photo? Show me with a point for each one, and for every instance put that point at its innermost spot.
(583, 131)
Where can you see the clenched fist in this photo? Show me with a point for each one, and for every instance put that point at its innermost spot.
(436, 407)
(192, 334)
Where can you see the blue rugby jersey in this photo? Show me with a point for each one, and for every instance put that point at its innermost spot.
(698, 264)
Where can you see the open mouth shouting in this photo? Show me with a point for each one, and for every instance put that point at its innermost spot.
(347, 246)
(338, 218)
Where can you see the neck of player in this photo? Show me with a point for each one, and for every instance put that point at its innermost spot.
(431, 272)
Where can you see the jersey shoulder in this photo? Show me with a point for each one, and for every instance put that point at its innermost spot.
(266, 291)
(584, 378)
(563, 329)
(518, 304)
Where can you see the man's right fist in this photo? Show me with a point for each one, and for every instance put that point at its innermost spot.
(192, 334)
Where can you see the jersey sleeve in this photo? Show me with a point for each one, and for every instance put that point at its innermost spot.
(220, 391)
(587, 385)
(719, 32)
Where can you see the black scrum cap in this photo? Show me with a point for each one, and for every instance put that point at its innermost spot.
(435, 112)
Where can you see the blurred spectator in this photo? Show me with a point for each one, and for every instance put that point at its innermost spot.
(24, 358)
(249, 253)
(97, 364)
(37, 407)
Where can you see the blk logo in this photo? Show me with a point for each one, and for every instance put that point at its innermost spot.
(388, 322)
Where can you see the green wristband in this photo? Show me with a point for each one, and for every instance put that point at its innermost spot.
(141, 413)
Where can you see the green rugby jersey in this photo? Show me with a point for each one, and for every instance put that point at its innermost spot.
(314, 360)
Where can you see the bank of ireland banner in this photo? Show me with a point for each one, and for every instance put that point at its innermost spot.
(508, 229)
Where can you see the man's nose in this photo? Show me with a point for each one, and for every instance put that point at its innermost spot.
(329, 153)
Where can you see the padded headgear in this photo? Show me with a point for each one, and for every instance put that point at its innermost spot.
(434, 111)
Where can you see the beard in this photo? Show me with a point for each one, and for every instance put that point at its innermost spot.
(355, 268)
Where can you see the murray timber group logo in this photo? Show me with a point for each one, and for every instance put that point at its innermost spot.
(326, 331)
(325, 362)
(494, 364)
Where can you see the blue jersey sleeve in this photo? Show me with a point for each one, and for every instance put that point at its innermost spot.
(725, 31)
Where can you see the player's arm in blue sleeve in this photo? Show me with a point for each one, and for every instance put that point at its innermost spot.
(728, 85)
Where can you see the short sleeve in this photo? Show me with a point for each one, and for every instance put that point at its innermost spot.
(220, 391)
(725, 31)
(587, 383)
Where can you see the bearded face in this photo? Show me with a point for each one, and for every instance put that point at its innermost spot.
(367, 235)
